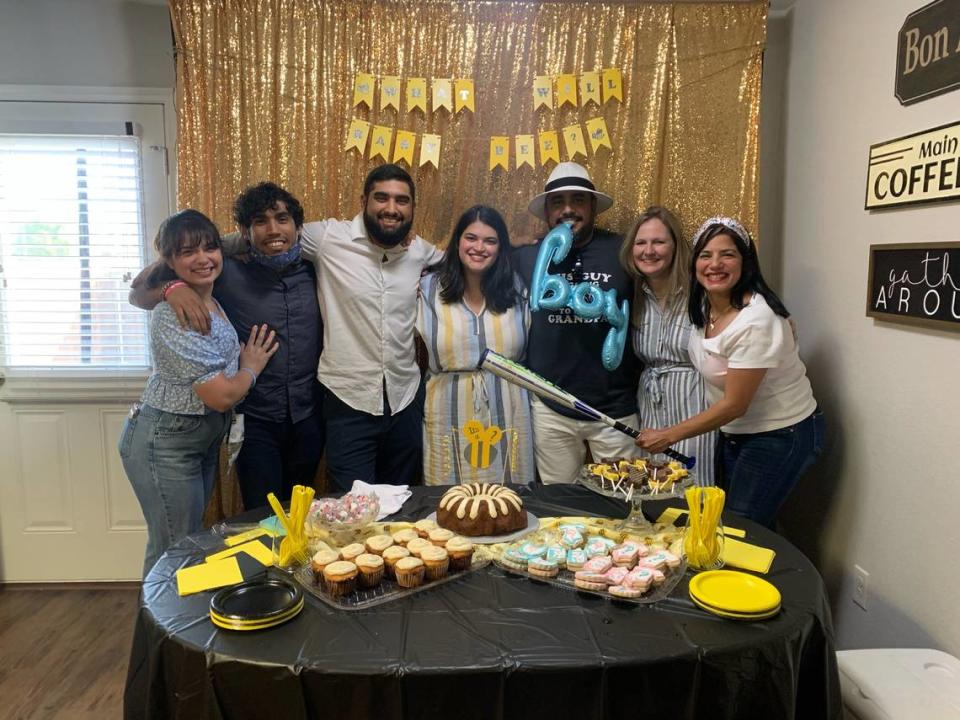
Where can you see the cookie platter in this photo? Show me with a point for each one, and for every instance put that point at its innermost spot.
(628, 570)
(629, 480)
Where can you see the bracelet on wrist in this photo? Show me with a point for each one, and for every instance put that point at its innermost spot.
(168, 286)
(253, 375)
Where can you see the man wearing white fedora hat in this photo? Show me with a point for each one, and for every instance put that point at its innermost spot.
(566, 348)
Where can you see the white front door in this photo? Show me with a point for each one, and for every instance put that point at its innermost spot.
(72, 353)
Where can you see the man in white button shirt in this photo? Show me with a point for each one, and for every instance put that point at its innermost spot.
(367, 274)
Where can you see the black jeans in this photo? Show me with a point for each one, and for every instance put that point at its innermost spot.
(275, 456)
(384, 448)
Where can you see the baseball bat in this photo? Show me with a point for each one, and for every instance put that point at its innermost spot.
(519, 375)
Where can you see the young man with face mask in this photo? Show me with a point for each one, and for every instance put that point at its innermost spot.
(283, 426)
(565, 348)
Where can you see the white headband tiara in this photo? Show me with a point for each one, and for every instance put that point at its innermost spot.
(728, 223)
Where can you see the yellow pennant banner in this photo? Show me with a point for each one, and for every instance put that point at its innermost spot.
(403, 150)
(380, 142)
(549, 147)
(357, 135)
(597, 132)
(430, 150)
(363, 90)
(500, 152)
(612, 85)
(442, 95)
(573, 141)
(463, 95)
(524, 150)
(566, 90)
(590, 88)
(417, 94)
(390, 92)
(543, 92)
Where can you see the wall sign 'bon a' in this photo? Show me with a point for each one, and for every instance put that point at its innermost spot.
(928, 52)
(917, 284)
(922, 167)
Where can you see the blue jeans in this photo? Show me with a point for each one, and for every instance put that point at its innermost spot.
(171, 462)
(759, 470)
(275, 456)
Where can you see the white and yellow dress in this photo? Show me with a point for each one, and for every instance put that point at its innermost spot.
(476, 426)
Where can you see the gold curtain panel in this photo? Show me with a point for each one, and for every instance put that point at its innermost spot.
(265, 91)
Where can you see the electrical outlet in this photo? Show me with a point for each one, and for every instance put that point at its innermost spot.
(860, 583)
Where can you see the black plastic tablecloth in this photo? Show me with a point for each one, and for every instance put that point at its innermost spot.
(490, 645)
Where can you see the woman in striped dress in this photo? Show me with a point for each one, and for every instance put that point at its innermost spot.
(671, 389)
(476, 426)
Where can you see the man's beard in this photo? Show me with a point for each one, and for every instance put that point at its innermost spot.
(386, 238)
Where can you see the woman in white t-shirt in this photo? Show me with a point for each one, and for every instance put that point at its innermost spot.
(759, 396)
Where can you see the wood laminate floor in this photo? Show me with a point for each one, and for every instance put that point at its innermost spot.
(64, 651)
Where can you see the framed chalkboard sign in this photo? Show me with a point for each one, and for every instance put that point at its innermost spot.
(917, 284)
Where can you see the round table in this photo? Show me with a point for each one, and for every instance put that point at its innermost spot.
(490, 645)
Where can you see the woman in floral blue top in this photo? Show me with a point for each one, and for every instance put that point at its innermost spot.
(170, 443)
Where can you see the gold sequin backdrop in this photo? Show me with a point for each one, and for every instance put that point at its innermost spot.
(265, 91)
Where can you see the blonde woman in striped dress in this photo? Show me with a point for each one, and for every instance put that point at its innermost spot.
(473, 301)
(671, 388)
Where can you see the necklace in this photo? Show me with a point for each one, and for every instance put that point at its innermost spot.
(715, 317)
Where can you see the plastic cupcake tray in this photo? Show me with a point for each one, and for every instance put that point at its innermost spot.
(387, 591)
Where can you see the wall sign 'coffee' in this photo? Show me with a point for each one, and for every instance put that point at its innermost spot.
(922, 167)
(928, 52)
(914, 283)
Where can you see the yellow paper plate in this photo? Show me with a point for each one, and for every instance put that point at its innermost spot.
(735, 616)
(734, 592)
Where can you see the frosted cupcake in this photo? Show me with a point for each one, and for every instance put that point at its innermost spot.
(460, 551)
(417, 545)
(340, 577)
(402, 537)
(392, 555)
(376, 544)
(440, 536)
(410, 572)
(436, 560)
(370, 567)
(423, 527)
(320, 560)
(352, 551)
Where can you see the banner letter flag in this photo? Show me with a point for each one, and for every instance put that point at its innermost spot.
(363, 90)
(566, 90)
(597, 132)
(390, 93)
(442, 95)
(524, 149)
(463, 95)
(543, 92)
(612, 85)
(380, 142)
(417, 95)
(430, 150)
(573, 141)
(590, 88)
(500, 152)
(549, 147)
(357, 135)
(403, 150)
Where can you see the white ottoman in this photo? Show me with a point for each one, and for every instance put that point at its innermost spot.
(899, 684)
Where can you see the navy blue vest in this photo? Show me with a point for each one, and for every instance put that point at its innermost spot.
(252, 294)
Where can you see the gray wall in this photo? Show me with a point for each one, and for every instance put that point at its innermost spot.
(108, 43)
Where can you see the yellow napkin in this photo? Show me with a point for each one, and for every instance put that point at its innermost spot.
(208, 575)
(255, 548)
(749, 557)
(670, 515)
(245, 536)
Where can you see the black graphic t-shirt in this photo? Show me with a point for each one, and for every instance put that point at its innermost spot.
(565, 348)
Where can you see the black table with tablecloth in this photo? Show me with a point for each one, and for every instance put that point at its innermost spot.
(490, 645)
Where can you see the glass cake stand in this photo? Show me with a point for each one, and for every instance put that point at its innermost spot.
(634, 522)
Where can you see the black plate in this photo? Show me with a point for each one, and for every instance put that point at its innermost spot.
(256, 600)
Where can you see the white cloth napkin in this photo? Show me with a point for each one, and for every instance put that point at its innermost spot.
(391, 497)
